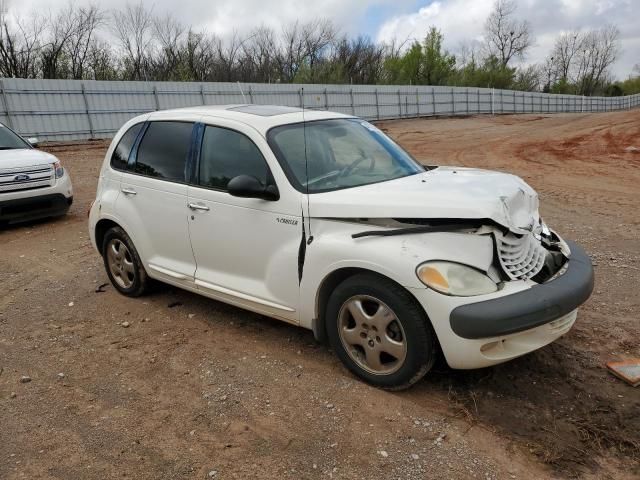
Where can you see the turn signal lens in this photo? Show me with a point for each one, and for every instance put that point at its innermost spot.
(455, 279)
(433, 278)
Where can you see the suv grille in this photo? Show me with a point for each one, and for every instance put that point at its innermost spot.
(521, 257)
(26, 178)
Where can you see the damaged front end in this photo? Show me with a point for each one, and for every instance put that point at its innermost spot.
(538, 255)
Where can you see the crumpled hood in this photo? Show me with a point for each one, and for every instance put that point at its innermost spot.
(444, 192)
(24, 157)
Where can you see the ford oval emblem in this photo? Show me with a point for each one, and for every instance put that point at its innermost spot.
(22, 178)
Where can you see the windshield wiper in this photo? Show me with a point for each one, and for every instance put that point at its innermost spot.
(419, 229)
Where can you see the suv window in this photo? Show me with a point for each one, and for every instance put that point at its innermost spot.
(164, 149)
(120, 155)
(225, 154)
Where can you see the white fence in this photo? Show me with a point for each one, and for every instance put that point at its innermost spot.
(79, 110)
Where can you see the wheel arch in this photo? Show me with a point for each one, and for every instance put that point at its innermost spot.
(328, 285)
(101, 229)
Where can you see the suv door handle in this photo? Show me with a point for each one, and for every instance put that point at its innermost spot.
(197, 206)
(129, 191)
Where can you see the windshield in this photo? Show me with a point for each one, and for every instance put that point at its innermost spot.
(341, 153)
(11, 141)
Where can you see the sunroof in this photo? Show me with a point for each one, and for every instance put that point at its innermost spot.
(265, 110)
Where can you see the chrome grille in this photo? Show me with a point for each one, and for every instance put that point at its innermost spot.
(521, 257)
(26, 178)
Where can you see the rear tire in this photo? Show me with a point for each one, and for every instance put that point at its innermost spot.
(123, 265)
(380, 332)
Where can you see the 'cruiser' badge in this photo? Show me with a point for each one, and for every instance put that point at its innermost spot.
(288, 221)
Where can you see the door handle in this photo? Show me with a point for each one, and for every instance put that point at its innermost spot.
(197, 206)
(129, 191)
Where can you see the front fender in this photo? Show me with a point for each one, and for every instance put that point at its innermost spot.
(394, 257)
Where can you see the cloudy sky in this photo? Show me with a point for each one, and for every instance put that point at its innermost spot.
(385, 20)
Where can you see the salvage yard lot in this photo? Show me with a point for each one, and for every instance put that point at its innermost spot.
(193, 388)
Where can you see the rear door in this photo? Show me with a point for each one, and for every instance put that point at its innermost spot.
(246, 249)
(153, 199)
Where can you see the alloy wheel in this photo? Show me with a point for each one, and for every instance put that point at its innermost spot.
(372, 335)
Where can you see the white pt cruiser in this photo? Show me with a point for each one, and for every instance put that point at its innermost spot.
(321, 220)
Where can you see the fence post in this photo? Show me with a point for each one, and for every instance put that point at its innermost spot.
(478, 100)
(492, 106)
(6, 104)
(155, 96)
(202, 97)
(399, 104)
(466, 91)
(433, 99)
(353, 107)
(301, 98)
(453, 102)
(501, 101)
(377, 105)
(417, 103)
(250, 95)
(86, 109)
(326, 100)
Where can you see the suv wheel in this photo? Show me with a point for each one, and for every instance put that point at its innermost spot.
(379, 332)
(123, 264)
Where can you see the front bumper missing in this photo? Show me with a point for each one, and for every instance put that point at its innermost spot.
(529, 308)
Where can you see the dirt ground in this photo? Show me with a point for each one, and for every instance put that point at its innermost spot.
(194, 388)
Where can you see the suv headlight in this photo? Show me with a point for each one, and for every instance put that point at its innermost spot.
(59, 169)
(455, 279)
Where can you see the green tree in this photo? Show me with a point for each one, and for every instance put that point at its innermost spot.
(424, 63)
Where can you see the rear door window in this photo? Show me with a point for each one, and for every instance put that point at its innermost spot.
(164, 150)
(120, 155)
(225, 154)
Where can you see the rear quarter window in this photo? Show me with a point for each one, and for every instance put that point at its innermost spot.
(120, 155)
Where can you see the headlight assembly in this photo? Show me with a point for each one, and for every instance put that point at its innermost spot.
(59, 169)
(455, 279)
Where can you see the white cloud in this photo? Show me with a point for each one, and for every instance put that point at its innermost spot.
(463, 20)
(223, 17)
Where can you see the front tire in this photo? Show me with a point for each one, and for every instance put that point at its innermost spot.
(122, 262)
(380, 332)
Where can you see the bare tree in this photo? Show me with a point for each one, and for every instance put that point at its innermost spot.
(86, 20)
(227, 54)
(20, 47)
(101, 63)
(170, 35)
(199, 56)
(260, 52)
(565, 50)
(505, 36)
(61, 28)
(133, 29)
(599, 50)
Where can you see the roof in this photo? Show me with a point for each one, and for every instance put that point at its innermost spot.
(260, 117)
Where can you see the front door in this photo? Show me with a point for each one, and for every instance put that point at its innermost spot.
(246, 249)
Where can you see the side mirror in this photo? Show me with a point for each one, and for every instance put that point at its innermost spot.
(33, 141)
(247, 186)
